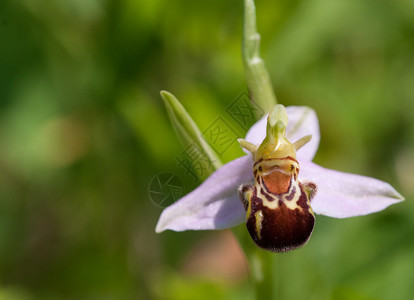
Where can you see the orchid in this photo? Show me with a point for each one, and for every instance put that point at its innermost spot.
(275, 188)
(215, 204)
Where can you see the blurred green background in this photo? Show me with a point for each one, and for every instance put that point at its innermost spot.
(83, 131)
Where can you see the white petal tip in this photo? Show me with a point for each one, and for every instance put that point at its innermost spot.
(159, 229)
(214, 204)
(344, 195)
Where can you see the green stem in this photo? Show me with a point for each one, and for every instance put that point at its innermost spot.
(258, 81)
(261, 264)
(257, 77)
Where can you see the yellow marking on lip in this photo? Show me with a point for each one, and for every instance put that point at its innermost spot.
(248, 195)
(270, 204)
(259, 218)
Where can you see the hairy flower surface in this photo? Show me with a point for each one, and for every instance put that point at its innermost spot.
(215, 204)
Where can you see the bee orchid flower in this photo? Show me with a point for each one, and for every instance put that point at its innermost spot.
(276, 188)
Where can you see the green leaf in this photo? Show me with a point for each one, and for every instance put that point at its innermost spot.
(190, 135)
(256, 74)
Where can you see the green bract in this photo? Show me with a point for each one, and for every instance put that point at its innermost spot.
(188, 131)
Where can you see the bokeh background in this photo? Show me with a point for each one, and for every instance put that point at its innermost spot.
(83, 131)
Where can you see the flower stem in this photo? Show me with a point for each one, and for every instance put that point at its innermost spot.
(257, 77)
(261, 265)
(260, 86)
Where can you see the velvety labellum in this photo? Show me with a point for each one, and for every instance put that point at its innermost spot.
(279, 217)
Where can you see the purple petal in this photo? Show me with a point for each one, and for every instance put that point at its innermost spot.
(343, 195)
(212, 205)
(302, 121)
